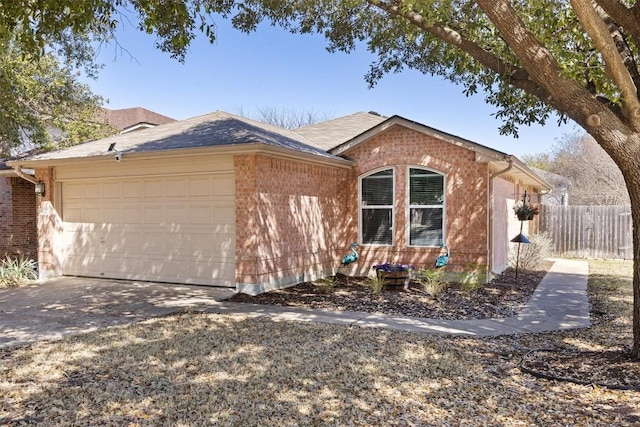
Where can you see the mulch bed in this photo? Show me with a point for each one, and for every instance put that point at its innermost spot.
(503, 297)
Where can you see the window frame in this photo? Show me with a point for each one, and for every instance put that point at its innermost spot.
(392, 206)
(408, 206)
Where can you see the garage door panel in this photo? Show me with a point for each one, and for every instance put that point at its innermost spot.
(224, 186)
(111, 190)
(74, 214)
(154, 215)
(171, 229)
(77, 265)
(92, 191)
(74, 191)
(154, 189)
(132, 189)
(224, 214)
(111, 215)
(176, 187)
(200, 186)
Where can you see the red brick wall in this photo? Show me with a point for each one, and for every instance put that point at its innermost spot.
(18, 236)
(289, 223)
(466, 198)
(49, 228)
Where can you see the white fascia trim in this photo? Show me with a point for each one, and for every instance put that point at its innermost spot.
(254, 148)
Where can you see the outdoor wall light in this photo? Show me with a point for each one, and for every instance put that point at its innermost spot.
(40, 188)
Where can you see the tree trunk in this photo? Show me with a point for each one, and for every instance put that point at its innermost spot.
(625, 155)
(623, 147)
(634, 194)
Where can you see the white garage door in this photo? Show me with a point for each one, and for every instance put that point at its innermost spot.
(177, 228)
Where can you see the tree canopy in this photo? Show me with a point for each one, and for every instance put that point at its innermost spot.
(43, 104)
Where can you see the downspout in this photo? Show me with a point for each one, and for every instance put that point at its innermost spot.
(18, 170)
(509, 158)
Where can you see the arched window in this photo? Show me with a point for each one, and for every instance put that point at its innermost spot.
(376, 208)
(426, 208)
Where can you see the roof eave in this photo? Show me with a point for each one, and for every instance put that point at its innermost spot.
(520, 170)
(250, 148)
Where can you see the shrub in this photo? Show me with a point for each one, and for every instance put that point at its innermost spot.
(326, 284)
(376, 284)
(473, 277)
(14, 271)
(432, 281)
(532, 255)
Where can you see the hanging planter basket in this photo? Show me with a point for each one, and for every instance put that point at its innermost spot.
(523, 216)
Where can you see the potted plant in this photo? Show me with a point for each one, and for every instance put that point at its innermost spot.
(394, 273)
(525, 212)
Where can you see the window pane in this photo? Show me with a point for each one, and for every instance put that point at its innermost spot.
(425, 187)
(377, 189)
(376, 226)
(426, 227)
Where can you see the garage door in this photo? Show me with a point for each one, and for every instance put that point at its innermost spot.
(178, 228)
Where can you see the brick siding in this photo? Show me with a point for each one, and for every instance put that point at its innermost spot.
(18, 237)
(466, 198)
(49, 228)
(288, 219)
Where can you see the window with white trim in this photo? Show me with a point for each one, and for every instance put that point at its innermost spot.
(426, 208)
(376, 208)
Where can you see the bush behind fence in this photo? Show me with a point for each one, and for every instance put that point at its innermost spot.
(597, 231)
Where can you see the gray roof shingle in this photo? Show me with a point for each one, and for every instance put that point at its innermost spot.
(334, 132)
(210, 130)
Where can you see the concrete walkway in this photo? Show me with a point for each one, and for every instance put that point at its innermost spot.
(72, 305)
(559, 302)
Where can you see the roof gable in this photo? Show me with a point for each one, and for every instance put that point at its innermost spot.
(334, 132)
(504, 162)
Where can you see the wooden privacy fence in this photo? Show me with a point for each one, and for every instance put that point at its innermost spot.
(589, 231)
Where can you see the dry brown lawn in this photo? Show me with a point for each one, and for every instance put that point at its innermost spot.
(207, 369)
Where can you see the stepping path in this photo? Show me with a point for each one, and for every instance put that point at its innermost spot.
(559, 302)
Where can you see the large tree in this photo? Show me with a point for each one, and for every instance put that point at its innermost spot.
(528, 57)
(43, 105)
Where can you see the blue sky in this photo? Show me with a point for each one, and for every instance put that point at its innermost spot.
(273, 68)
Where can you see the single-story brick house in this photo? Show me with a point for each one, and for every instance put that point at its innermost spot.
(18, 233)
(227, 201)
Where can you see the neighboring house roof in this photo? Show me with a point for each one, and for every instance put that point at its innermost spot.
(5, 169)
(129, 119)
(218, 129)
(559, 194)
(334, 132)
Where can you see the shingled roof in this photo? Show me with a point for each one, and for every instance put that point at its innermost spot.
(210, 130)
(334, 132)
(127, 119)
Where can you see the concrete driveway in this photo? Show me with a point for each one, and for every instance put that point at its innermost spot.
(71, 305)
